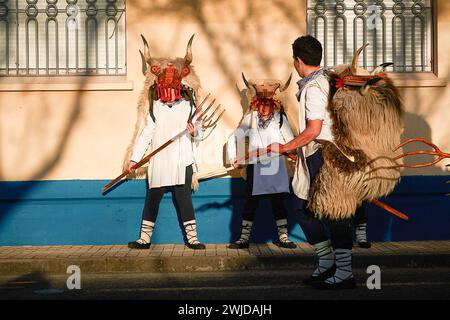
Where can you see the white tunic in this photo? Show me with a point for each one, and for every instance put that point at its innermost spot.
(270, 175)
(167, 168)
(313, 105)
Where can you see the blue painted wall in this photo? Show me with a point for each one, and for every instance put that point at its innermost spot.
(76, 212)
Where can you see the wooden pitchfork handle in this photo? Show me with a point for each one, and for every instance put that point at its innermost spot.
(147, 158)
(389, 209)
(260, 152)
(143, 161)
(376, 202)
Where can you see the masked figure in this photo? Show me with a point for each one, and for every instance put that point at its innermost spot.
(170, 89)
(265, 123)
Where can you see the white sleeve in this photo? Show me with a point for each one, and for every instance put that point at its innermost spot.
(143, 141)
(315, 104)
(237, 137)
(199, 131)
(286, 130)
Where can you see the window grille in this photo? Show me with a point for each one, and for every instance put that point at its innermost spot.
(62, 37)
(397, 31)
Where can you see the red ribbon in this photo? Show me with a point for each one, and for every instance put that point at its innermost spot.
(338, 83)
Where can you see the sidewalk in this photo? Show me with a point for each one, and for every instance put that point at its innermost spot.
(217, 257)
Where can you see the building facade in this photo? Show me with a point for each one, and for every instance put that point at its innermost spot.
(70, 76)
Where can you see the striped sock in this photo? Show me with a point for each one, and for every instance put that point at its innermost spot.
(282, 227)
(343, 266)
(191, 231)
(146, 232)
(245, 232)
(326, 257)
(361, 232)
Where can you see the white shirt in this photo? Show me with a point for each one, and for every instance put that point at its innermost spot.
(258, 137)
(270, 174)
(168, 167)
(316, 105)
(313, 105)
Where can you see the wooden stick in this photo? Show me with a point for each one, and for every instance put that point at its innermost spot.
(143, 161)
(389, 209)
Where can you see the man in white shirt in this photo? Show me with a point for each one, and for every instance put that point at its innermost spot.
(334, 269)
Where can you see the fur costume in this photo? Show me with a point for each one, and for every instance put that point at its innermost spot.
(367, 116)
(170, 88)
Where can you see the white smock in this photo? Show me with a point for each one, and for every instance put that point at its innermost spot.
(270, 173)
(168, 167)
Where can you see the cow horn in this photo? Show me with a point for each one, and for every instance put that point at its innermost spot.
(367, 85)
(245, 81)
(286, 85)
(144, 63)
(381, 67)
(355, 59)
(188, 57)
(147, 56)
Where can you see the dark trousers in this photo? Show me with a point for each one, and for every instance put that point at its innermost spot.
(360, 215)
(181, 193)
(251, 201)
(315, 230)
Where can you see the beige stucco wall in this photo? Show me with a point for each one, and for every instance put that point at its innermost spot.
(82, 133)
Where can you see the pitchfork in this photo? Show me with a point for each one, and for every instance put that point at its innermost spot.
(206, 121)
(436, 152)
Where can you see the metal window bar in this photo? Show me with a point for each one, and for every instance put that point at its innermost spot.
(91, 20)
(344, 32)
(27, 41)
(116, 43)
(398, 26)
(37, 53)
(5, 24)
(71, 21)
(399, 61)
(422, 41)
(47, 45)
(356, 45)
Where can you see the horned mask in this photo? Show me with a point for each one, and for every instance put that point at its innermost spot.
(170, 76)
(265, 92)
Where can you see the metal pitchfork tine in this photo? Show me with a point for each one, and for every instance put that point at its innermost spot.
(202, 114)
(198, 108)
(208, 123)
(436, 152)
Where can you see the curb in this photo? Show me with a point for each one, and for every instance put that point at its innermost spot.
(211, 264)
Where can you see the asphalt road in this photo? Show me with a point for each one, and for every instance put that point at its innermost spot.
(429, 283)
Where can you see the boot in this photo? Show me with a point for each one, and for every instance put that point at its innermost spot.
(343, 277)
(326, 267)
(191, 235)
(243, 241)
(284, 242)
(146, 233)
(361, 235)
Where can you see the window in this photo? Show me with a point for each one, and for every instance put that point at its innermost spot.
(62, 37)
(397, 31)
